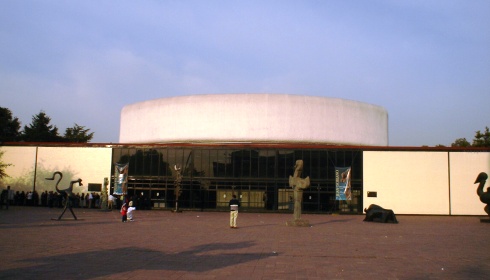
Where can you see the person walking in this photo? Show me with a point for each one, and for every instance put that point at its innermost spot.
(234, 204)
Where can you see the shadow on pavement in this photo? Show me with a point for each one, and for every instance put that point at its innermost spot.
(103, 263)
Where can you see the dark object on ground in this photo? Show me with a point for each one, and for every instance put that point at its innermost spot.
(376, 213)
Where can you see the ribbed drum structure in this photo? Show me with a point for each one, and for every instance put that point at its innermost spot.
(255, 118)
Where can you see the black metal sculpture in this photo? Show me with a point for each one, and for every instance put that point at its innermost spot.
(376, 213)
(484, 196)
(66, 193)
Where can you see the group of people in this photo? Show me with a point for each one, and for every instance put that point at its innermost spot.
(92, 200)
(127, 210)
(50, 199)
(30, 198)
(54, 199)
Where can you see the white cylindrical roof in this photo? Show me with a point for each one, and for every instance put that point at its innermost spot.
(271, 118)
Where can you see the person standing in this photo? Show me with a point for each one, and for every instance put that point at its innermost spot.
(124, 212)
(111, 201)
(234, 204)
(90, 200)
(4, 199)
(10, 197)
(131, 209)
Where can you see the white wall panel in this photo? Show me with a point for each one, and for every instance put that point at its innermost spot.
(464, 168)
(22, 160)
(407, 182)
(92, 165)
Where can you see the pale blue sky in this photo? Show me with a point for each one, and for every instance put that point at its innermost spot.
(426, 62)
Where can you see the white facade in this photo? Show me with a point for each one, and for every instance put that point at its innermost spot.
(276, 118)
(30, 166)
(409, 182)
(427, 183)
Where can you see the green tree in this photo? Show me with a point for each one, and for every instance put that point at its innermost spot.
(40, 130)
(3, 166)
(461, 142)
(482, 139)
(9, 126)
(78, 134)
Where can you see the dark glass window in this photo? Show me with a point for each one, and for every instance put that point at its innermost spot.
(259, 176)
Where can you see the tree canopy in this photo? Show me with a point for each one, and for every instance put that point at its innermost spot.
(78, 134)
(3, 166)
(9, 126)
(482, 139)
(461, 142)
(39, 130)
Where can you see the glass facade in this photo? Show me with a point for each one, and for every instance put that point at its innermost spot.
(258, 176)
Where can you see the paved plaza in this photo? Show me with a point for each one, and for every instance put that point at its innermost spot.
(200, 245)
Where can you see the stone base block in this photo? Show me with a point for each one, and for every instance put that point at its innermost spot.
(298, 223)
(485, 220)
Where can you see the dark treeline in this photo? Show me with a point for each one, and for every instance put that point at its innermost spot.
(39, 130)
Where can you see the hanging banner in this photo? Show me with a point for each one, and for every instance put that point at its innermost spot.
(343, 189)
(121, 178)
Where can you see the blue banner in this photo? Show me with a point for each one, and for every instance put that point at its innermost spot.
(121, 178)
(343, 189)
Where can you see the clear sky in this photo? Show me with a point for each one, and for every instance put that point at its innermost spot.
(426, 62)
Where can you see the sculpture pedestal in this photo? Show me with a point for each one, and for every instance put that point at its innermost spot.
(485, 220)
(298, 223)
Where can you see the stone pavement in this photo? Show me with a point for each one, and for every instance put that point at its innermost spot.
(200, 245)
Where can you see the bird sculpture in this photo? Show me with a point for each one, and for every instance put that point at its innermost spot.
(67, 193)
(484, 196)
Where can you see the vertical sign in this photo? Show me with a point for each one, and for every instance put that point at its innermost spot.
(121, 178)
(342, 183)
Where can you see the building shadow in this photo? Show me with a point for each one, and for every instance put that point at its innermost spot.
(123, 260)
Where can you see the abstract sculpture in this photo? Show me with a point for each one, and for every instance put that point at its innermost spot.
(298, 184)
(66, 193)
(178, 187)
(484, 196)
(376, 213)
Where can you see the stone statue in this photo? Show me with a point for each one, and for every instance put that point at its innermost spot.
(298, 184)
(67, 193)
(484, 196)
(104, 196)
(178, 186)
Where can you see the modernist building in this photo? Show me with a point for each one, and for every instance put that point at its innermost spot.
(248, 144)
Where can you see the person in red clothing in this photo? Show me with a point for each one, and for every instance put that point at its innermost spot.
(124, 212)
